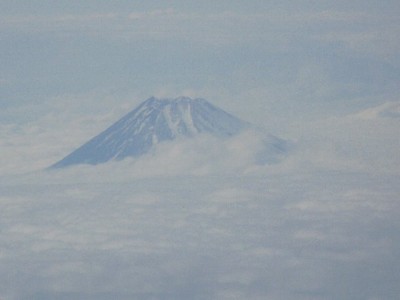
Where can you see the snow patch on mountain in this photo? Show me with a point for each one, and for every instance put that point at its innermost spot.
(156, 121)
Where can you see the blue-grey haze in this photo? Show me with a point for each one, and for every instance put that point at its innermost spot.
(200, 219)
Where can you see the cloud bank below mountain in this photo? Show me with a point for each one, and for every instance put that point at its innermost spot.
(202, 219)
(104, 233)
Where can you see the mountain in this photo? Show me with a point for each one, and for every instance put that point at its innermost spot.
(152, 122)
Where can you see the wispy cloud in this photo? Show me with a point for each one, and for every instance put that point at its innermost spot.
(202, 218)
(353, 29)
(386, 110)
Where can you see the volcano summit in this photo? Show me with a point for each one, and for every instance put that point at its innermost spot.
(152, 122)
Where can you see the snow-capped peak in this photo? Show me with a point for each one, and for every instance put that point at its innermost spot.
(152, 122)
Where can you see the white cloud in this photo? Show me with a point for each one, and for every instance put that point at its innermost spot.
(199, 218)
(367, 140)
(102, 236)
(386, 110)
(200, 156)
(202, 219)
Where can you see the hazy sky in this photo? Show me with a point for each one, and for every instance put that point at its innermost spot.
(257, 58)
(199, 219)
(278, 64)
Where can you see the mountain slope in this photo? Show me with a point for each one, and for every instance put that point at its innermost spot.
(152, 122)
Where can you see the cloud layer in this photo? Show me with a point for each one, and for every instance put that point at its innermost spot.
(202, 219)
(364, 140)
(318, 235)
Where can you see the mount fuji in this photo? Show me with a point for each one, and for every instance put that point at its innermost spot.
(156, 121)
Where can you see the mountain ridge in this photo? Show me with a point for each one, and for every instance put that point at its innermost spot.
(152, 122)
